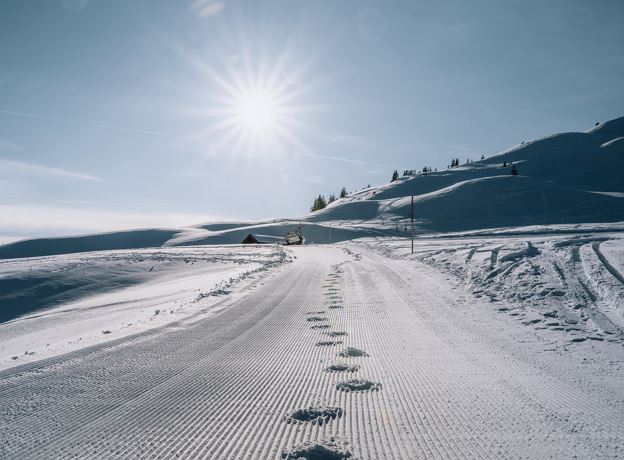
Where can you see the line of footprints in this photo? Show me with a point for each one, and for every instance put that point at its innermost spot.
(320, 415)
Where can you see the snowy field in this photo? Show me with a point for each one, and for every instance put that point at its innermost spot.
(566, 282)
(56, 304)
(497, 346)
(502, 336)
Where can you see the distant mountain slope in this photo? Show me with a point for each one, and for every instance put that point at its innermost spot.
(564, 178)
(503, 201)
(313, 233)
(132, 239)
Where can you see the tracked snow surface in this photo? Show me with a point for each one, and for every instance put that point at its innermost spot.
(501, 336)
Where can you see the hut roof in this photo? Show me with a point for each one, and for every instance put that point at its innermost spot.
(254, 238)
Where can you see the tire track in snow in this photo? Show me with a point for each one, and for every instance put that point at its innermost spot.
(610, 268)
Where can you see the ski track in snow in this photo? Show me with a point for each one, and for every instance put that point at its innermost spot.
(444, 373)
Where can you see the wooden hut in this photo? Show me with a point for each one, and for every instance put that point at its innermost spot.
(253, 238)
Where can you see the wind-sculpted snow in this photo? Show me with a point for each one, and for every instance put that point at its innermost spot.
(445, 375)
(50, 305)
(134, 239)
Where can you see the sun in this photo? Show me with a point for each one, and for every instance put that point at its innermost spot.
(257, 111)
(253, 108)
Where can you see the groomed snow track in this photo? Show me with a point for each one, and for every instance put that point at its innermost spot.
(444, 383)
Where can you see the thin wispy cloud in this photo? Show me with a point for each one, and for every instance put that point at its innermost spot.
(7, 145)
(206, 8)
(315, 179)
(75, 6)
(349, 140)
(344, 159)
(93, 124)
(41, 170)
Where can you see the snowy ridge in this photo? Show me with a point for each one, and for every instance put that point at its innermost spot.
(565, 178)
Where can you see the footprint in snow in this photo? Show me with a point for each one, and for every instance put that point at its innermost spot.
(336, 333)
(358, 385)
(317, 451)
(328, 343)
(316, 318)
(342, 367)
(314, 415)
(352, 352)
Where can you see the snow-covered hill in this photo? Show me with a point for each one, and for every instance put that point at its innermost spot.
(483, 339)
(566, 178)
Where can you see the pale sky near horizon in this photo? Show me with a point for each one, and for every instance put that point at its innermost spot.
(125, 114)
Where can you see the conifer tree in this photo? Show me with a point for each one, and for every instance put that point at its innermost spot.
(395, 175)
(319, 203)
(343, 192)
(514, 170)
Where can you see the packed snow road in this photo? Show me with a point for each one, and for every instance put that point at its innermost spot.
(344, 353)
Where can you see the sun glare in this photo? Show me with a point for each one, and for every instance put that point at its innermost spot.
(257, 111)
(254, 108)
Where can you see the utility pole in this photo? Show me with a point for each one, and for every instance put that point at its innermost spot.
(412, 219)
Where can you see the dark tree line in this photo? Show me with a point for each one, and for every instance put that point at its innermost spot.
(320, 202)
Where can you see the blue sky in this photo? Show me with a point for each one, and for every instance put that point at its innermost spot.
(121, 114)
